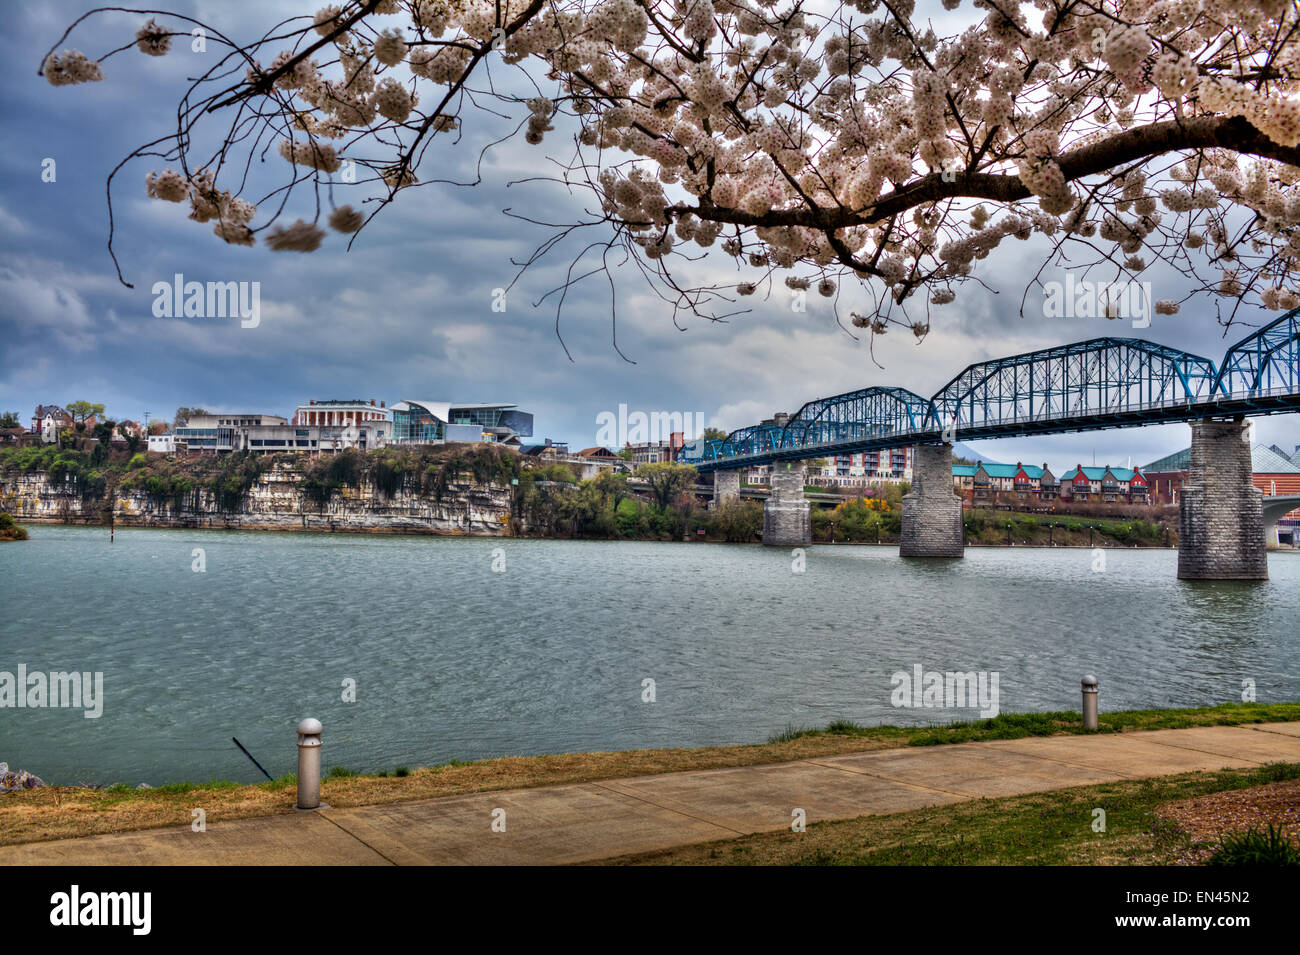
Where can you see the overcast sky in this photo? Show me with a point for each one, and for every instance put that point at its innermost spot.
(407, 312)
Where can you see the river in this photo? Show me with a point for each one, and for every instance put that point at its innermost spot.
(470, 648)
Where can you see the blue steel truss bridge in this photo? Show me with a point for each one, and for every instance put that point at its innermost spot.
(1085, 386)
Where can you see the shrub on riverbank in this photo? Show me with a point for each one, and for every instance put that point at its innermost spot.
(984, 526)
(862, 520)
(552, 502)
(737, 522)
(9, 531)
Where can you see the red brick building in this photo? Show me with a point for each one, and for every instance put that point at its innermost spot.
(1273, 474)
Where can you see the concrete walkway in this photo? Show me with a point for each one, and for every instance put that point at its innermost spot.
(581, 822)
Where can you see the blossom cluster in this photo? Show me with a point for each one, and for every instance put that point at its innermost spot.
(153, 40)
(233, 214)
(853, 143)
(317, 155)
(71, 67)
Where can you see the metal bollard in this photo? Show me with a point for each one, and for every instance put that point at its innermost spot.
(1089, 702)
(309, 731)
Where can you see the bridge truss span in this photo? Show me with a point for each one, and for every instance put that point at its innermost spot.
(1103, 381)
(1265, 363)
(1089, 385)
(864, 415)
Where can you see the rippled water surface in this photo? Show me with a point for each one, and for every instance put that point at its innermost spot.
(453, 660)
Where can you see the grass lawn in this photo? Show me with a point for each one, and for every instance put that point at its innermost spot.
(1052, 828)
(61, 812)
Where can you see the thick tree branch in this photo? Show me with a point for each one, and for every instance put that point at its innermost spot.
(1146, 142)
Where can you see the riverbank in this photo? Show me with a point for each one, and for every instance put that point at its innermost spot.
(63, 812)
(859, 521)
(453, 489)
(334, 527)
(476, 491)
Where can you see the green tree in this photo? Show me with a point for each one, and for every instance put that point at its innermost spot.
(715, 434)
(103, 431)
(667, 480)
(183, 415)
(631, 518)
(9, 420)
(82, 410)
(892, 494)
(9, 530)
(613, 487)
(132, 439)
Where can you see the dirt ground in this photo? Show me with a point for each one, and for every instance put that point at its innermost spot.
(1207, 818)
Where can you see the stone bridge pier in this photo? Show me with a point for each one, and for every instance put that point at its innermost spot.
(726, 489)
(932, 523)
(1220, 511)
(787, 516)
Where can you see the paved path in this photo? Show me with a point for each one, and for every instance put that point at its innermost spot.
(581, 822)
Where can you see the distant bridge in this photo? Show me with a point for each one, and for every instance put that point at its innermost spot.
(1086, 386)
(1274, 508)
(759, 493)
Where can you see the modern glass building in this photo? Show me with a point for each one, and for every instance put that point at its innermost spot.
(435, 422)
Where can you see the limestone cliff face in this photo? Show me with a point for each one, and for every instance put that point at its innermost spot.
(274, 502)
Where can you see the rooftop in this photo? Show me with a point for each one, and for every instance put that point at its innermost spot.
(1267, 461)
(1010, 470)
(1098, 473)
(1263, 460)
(1178, 461)
(317, 402)
(442, 409)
